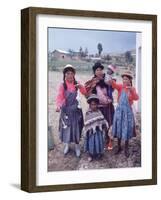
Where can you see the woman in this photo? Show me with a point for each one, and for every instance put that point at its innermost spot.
(104, 91)
(71, 117)
(124, 123)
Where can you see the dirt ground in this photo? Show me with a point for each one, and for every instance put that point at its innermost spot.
(56, 159)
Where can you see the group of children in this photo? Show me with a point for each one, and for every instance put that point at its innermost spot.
(95, 125)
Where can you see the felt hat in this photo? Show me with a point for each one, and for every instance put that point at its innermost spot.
(93, 97)
(112, 68)
(128, 74)
(97, 65)
(69, 67)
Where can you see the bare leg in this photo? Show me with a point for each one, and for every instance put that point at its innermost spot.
(66, 148)
(77, 150)
(127, 148)
(119, 147)
(90, 158)
(109, 141)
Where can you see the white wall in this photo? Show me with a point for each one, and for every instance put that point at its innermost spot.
(138, 69)
(10, 97)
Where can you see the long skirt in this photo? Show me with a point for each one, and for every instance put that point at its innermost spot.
(108, 113)
(71, 125)
(123, 122)
(94, 143)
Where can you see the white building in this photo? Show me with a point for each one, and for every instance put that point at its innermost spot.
(138, 70)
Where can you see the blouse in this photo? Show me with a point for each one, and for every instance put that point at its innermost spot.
(132, 94)
(60, 99)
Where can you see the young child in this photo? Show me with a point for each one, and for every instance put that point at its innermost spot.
(71, 117)
(93, 130)
(123, 123)
(110, 73)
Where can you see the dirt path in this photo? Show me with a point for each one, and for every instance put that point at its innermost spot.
(59, 162)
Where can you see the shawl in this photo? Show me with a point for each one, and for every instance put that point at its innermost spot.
(93, 121)
(91, 85)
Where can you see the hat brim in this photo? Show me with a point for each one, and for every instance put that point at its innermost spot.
(69, 69)
(92, 99)
(111, 68)
(128, 75)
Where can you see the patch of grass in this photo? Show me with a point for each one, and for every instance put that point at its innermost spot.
(57, 65)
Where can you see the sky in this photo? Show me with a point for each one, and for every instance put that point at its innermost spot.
(112, 41)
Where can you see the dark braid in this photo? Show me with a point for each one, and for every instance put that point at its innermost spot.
(64, 83)
(75, 83)
(131, 82)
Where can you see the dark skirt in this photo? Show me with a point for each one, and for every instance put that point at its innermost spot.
(71, 125)
(108, 113)
(94, 143)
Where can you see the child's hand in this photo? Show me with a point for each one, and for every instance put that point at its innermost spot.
(130, 88)
(110, 82)
(96, 80)
(78, 85)
(109, 100)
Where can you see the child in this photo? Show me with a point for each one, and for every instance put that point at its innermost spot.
(123, 122)
(94, 125)
(71, 117)
(110, 73)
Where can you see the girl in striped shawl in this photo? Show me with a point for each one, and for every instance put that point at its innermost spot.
(94, 129)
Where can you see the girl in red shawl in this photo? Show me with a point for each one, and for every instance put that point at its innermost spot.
(123, 122)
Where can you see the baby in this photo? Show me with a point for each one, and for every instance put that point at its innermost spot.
(110, 72)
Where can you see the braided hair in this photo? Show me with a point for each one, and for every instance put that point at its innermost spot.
(65, 85)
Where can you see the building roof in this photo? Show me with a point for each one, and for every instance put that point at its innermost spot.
(61, 51)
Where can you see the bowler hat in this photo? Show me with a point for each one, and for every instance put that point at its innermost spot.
(97, 65)
(68, 67)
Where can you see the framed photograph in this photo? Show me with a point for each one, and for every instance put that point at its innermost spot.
(88, 99)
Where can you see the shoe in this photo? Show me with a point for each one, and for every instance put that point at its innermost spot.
(127, 154)
(118, 150)
(99, 156)
(66, 149)
(77, 150)
(90, 159)
(109, 146)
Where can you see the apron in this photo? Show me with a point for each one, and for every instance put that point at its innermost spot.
(123, 122)
(71, 119)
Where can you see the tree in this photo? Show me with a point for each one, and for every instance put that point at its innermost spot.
(80, 51)
(100, 48)
(71, 51)
(108, 57)
(86, 51)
